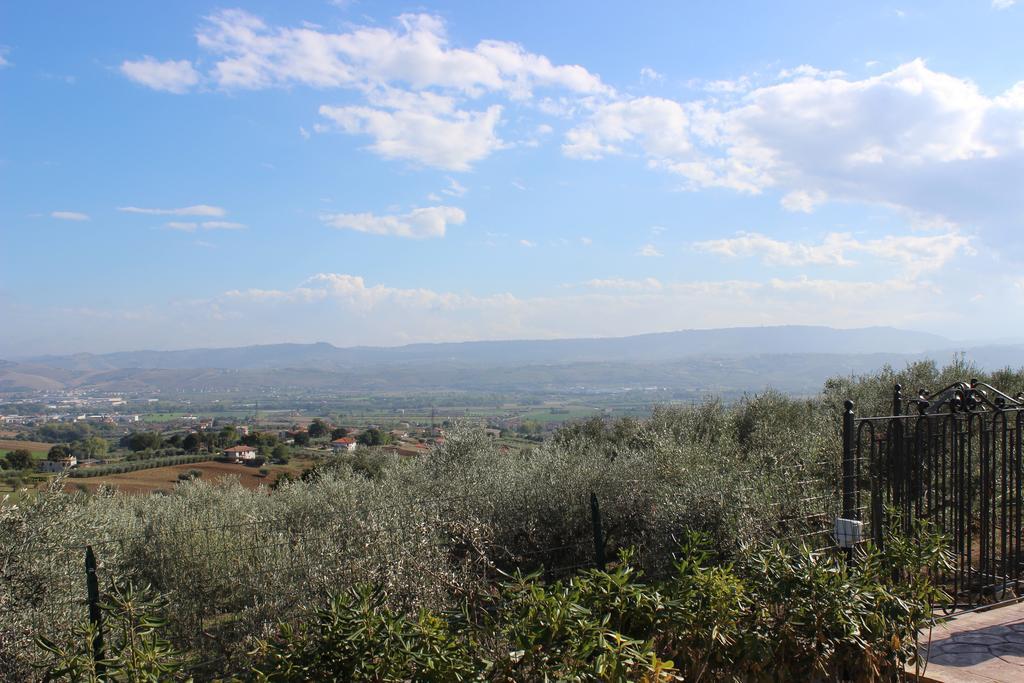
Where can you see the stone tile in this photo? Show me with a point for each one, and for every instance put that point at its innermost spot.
(980, 647)
(998, 630)
(1011, 653)
(982, 637)
(954, 648)
(999, 670)
(961, 659)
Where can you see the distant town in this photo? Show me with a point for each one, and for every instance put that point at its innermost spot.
(140, 443)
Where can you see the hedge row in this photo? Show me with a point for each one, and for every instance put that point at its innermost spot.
(122, 468)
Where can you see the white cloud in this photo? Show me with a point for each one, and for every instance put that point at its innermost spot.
(649, 74)
(916, 254)
(649, 283)
(70, 215)
(586, 241)
(453, 142)
(184, 226)
(414, 82)
(303, 132)
(911, 138)
(249, 53)
(196, 210)
(353, 291)
(222, 225)
(4, 62)
(600, 307)
(729, 87)
(808, 71)
(454, 189)
(528, 244)
(803, 201)
(346, 310)
(171, 76)
(1003, 4)
(657, 125)
(836, 289)
(418, 223)
(648, 250)
(189, 226)
(777, 252)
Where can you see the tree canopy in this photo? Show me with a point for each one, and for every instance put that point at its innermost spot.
(20, 459)
(318, 428)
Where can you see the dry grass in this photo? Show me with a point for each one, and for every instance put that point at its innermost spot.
(15, 444)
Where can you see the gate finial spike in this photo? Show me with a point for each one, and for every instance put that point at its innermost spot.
(848, 405)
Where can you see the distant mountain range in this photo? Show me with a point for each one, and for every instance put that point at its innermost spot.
(791, 358)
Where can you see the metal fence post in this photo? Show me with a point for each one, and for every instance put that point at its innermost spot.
(849, 464)
(595, 520)
(95, 615)
(899, 467)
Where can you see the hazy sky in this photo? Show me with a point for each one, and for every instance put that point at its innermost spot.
(178, 174)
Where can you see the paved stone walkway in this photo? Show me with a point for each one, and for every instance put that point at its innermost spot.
(980, 647)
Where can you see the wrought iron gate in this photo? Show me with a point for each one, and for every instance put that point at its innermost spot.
(953, 458)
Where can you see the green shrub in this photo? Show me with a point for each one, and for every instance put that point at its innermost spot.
(776, 615)
(358, 637)
(134, 648)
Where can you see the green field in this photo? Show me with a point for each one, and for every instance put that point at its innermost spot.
(200, 414)
(37, 455)
(560, 413)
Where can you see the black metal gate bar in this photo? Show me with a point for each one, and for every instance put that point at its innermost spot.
(957, 463)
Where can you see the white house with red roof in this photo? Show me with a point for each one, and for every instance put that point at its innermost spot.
(240, 453)
(345, 443)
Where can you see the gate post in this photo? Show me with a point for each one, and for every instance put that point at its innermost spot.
(595, 521)
(897, 399)
(95, 615)
(899, 467)
(849, 464)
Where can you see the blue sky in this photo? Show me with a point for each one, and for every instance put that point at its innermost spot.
(189, 174)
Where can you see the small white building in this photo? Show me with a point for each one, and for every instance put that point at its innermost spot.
(59, 464)
(344, 444)
(240, 453)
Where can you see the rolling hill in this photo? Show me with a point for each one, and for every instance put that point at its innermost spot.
(790, 358)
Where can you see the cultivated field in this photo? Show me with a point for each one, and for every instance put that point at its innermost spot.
(38, 448)
(165, 478)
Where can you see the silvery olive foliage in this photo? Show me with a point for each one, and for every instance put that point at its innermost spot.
(429, 533)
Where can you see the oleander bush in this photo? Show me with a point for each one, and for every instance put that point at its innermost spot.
(773, 614)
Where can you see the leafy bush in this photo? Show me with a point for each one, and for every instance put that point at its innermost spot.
(135, 649)
(776, 615)
(359, 637)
